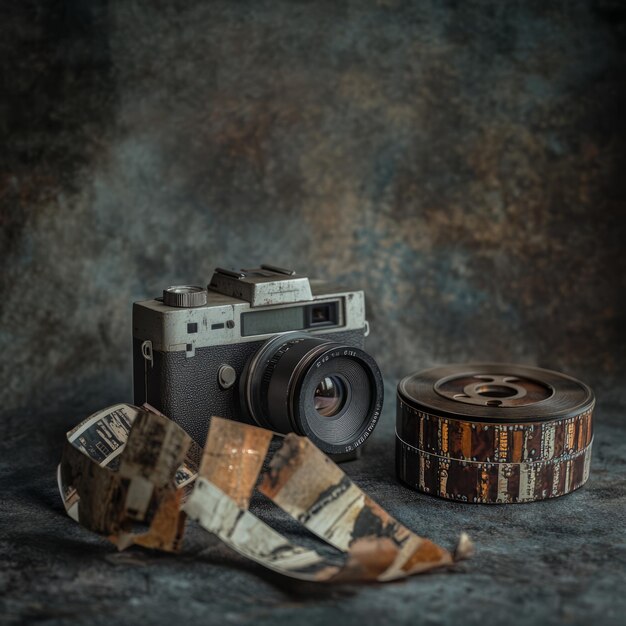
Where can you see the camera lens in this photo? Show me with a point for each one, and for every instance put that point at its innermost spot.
(327, 391)
(330, 396)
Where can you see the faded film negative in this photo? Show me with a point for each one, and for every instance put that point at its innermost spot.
(133, 475)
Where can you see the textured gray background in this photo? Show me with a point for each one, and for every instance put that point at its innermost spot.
(461, 161)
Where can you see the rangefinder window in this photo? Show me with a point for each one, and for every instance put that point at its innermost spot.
(272, 321)
(322, 314)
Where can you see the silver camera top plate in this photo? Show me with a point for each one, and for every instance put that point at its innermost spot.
(181, 327)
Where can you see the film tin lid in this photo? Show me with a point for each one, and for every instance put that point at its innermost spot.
(495, 392)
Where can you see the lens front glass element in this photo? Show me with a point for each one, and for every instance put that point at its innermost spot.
(330, 396)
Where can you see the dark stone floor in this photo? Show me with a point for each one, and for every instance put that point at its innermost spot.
(560, 561)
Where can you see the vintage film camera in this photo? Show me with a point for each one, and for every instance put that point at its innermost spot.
(264, 346)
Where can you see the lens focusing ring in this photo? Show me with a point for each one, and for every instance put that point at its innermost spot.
(280, 383)
(277, 396)
(269, 371)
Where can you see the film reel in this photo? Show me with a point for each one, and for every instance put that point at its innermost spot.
(493, 433)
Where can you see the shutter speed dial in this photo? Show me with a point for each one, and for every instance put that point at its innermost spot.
(185, 296)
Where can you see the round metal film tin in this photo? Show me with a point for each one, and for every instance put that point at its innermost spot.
(493, 433)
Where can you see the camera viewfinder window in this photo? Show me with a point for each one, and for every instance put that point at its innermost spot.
(322, 314)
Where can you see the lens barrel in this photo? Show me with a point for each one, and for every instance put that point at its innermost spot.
(330, 392)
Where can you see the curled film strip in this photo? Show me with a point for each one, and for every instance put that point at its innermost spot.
(134, 476)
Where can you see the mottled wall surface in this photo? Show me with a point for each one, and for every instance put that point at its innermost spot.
(461, 161)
